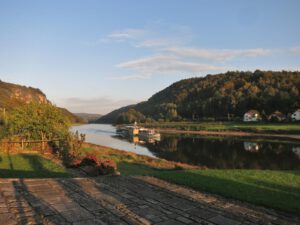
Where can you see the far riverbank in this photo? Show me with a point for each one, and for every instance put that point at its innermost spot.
(229, 133)
(256, 129)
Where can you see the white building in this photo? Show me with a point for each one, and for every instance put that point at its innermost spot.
(251, 116)
(296, 115)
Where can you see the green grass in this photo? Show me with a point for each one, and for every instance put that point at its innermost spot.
(288, 128)
(274, 189)
(29, 166)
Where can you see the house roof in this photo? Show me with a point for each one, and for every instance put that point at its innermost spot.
(277, 113)
(252, 112)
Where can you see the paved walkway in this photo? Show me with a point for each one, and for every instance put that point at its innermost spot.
(122, 200)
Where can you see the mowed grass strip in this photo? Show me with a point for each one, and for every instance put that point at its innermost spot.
(265, 127)
(27, 165)
(274, 189)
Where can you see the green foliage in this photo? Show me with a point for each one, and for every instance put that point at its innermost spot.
(222, 97)
(130, 116)
(37, 122)
(70, 151)
(72, 117)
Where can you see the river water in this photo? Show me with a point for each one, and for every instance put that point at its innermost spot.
(210, 151)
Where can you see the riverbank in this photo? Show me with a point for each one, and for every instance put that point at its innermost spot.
(244, 127)
(229, 133)
(273, 189)
(288, 131)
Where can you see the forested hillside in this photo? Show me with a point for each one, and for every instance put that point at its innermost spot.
(13, 95)
(221, 96)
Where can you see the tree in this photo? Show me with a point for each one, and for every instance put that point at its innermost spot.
(216, 96)
(130, 116)
(37, 122)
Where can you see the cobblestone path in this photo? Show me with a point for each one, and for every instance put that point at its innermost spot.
(123, 200)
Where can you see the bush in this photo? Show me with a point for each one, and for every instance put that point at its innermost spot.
(94, 167)
(106, 167)
(90, 160)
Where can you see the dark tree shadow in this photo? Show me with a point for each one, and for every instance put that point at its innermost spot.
(43, 212)
(11, 165)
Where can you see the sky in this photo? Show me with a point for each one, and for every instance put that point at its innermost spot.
(95, 56)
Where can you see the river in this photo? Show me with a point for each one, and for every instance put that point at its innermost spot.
(210, 151)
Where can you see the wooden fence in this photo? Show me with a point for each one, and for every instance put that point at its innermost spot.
(30, 145)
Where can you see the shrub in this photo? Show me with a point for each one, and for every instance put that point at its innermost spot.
(97, 167)
(89, 160)
(106, 167)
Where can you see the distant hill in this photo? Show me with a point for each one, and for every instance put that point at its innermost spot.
(218, 97)
(112, 116)
(88, 117)
(14, 95)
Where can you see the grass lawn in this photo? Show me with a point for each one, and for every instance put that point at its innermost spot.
(287, 128)
(273, 189)
(29, 166)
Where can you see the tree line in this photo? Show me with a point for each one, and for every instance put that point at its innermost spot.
(218, 97)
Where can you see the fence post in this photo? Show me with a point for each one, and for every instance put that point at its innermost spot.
(22, 144)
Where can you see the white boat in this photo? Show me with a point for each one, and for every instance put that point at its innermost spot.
(125, 131)
(145, 133)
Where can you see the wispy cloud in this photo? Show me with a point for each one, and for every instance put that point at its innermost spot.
(217, 54)
(100, 105)
(163, 42)
(130, 77)
(169, 44)
(152, 36)
(158, 64)
(295, 50)
(127, 34)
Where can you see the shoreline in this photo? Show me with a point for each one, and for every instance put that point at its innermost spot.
(159, 163)
(229, 133)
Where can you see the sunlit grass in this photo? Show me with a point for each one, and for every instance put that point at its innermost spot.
(29, 166)
(274, 189)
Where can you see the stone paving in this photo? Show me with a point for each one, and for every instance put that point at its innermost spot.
(123, 200)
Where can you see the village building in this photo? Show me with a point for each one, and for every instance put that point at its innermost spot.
(277, 116)
(296, 115)
(252, 116)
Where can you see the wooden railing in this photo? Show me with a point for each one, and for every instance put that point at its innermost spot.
(29, 145)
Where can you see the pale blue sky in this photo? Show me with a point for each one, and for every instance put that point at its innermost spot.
(95, 56)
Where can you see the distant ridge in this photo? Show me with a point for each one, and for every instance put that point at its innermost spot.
(88, 117)
(112, 116)
(219, 96)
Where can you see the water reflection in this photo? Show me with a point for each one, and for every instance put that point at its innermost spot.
(213, 152)
(227, 153)
(251, 146)
(104, 134)
(296, 150)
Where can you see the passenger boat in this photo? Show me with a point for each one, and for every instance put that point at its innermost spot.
(126, 131)
(145, 133)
